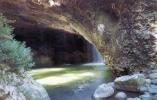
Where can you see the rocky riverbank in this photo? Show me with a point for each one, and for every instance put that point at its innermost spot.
(18, 85)
(144, 85)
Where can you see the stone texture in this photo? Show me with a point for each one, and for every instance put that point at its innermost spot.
(154, 81)
(153, 76)
(19, 85)
(111, 84)
(154, 71)
(121, 96)
(130, 82)
(133, 98)
(153, 89)
(146, 96)
(10, 93)
(103, 91)
(154, 96)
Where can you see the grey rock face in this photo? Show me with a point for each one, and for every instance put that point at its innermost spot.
(10, 93)
(121, 96)
(103, 91)
(20, 86)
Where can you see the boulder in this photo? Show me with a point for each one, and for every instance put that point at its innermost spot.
(133, 98)
(146, 96)
(33, 91)
(154, 71)
(103, 91)
(152, 89)
(154, 81)
(153, 76)
(130, 82)
(111, 84)
(121, 96)
(154, 97)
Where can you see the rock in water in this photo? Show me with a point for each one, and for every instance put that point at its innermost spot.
(154, 71)
(152, 89)
(33, 91)
(153, 76)
(121, 96)
(134, 98)
(146, 96)
(154, 81)
(103, 91)
(130, 82)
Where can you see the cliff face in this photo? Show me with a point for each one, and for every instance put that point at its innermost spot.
(110, 25)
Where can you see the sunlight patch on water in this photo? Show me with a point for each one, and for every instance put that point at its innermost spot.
(43, 70)
(93, 64)
(65, 78)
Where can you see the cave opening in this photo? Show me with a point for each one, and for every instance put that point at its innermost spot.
(53, 47)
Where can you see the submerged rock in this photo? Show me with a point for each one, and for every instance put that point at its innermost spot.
(130, 82)
(103, 91)
(121, 96)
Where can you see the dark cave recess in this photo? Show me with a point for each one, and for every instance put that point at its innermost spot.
(55, 47)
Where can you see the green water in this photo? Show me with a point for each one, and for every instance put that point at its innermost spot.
(75, 82)
(65, 75)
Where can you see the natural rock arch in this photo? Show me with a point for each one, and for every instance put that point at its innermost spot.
(110, 25)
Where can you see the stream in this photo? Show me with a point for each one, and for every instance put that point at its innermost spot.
(82, 91)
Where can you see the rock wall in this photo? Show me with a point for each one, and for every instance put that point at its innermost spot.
(110, 25)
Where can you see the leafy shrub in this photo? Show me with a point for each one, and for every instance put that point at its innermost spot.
(5, 28)
(12, 52)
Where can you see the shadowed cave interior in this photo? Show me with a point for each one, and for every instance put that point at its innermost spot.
(56, 47)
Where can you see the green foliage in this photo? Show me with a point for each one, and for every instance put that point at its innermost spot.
(5, 29)
(15, 53)
(12, 52)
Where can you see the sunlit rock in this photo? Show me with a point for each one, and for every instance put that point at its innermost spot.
(121, 96)
(153, 89)
(103, 91)
(18, 85)
(146, 96)
(130, 82)
(153, 76)
(133, 98)
(154, 81)
(10, 93)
